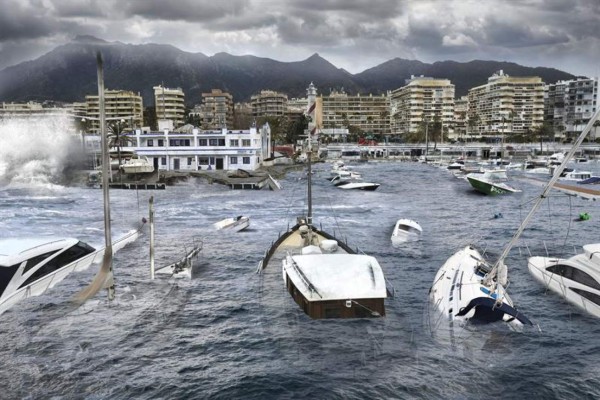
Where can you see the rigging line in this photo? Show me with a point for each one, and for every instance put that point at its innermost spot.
(569, 226)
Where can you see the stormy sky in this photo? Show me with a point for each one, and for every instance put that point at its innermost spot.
(351, 34)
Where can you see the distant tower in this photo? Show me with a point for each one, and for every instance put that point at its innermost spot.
(311, 111)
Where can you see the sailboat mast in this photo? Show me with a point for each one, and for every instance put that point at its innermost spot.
(544, 193)
(105, 172)
(309, 179)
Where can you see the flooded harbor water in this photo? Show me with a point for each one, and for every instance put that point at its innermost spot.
(230, 333)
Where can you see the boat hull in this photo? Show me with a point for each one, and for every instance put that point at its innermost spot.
(568, 289)
(487, 188)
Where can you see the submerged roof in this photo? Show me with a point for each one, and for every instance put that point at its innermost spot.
(338, 276)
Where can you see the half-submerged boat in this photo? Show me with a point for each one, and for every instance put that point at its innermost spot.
(324, 276)
(30, 266)
(576, 279)
(406, 230)
(233, 224)
(491, 182)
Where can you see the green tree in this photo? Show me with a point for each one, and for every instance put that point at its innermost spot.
(117, 137)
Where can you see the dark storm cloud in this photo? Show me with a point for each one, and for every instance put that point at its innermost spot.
(18, 21)
(500, 33)
(82, 8)
(369, 9)
(185, 10)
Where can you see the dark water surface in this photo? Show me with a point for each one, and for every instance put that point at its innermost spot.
(230, 333)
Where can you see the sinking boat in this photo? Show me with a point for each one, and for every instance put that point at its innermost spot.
(233, 224)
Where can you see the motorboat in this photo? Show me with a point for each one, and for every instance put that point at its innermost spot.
(576, 279)
(137, 165)
(233, 224)
(491, 182)
(346, 184)
(406, 230)
(456, 165)
(461, 294)
(30, 266)
(345, 174)
(324, 276)
(575, 176)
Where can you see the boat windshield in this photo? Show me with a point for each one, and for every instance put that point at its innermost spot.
(408, 228)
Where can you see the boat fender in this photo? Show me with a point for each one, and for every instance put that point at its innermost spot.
(584, 216)
(329, 246)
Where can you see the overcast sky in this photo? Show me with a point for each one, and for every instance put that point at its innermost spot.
(351, 34)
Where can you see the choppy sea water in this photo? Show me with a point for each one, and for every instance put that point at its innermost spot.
(230, 333)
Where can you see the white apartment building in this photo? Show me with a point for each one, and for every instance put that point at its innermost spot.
(506, 105)
(204, 150)
(169, 104)
(422, 100)
(367, 112)
(123, 106)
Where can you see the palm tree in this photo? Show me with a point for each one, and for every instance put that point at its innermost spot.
(117, 138)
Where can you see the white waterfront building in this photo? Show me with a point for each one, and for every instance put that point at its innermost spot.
(224, 149)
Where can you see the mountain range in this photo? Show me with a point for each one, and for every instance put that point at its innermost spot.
(68, 73)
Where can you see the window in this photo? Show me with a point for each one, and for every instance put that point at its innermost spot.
(245, 142)
(222, 142)
(202, 160)
(232, 160)
(246, 160)
(234, 142)
(202, 142)
(173, 142)
(163, 161)
(213, 142)
(574, 274)
(190, 159)
(32, 262)
(150, 143)
(161, 142)
(594, 298)
(65, 258)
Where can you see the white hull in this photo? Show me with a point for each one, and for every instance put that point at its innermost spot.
(49, 281)
(233, 224)
(582, 289)
(460, 296)
(406, 230)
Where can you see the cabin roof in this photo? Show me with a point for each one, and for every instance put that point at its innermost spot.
(338, 276)
(16, 250)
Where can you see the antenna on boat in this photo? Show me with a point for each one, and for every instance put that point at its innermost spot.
(104, 277)
(557, 173)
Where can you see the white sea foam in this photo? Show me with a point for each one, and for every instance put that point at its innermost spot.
(35, 151)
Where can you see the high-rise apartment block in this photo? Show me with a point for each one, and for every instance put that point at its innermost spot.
(506, 105)
(169, 104)
(569, 104)
(269, 104)
(368, 113)
(119, 105)
(216, 111)
(422, 99)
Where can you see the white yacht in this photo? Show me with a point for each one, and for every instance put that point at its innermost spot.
(137, 165)
(576, 279)
(341, 183)
(30, 266)
(406, 230)
(233, 224)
